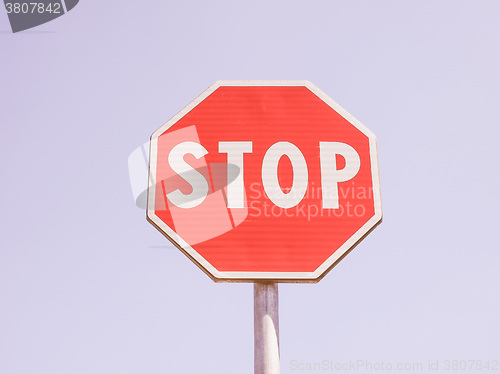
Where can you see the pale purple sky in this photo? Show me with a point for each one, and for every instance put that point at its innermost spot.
(88, 286)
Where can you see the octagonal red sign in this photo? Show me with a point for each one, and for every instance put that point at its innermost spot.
(264, 180)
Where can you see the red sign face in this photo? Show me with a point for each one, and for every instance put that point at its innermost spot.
(264, 180)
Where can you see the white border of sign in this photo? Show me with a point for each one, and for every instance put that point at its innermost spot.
(228, 276)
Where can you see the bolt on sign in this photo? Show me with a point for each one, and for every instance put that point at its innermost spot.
(264, 180)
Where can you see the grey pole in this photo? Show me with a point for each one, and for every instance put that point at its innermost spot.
(266, 328)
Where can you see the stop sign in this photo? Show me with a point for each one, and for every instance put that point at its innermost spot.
(264, 180)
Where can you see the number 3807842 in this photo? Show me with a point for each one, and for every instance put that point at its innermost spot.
(26, 8)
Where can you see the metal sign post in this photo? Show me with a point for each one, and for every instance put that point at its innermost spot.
(266, 328)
